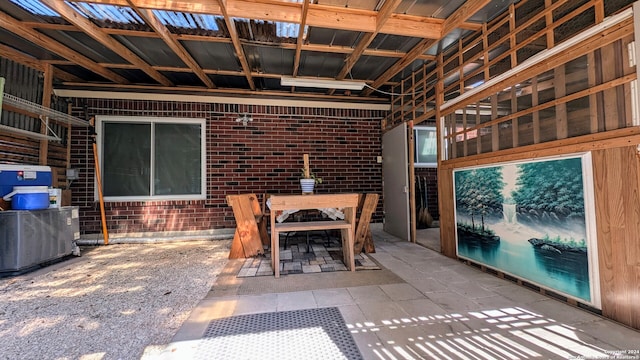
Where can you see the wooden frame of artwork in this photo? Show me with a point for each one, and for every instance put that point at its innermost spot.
(534, 220)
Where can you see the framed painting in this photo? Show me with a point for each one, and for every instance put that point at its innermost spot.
(533, 220)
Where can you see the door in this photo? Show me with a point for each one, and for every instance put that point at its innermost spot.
(396, 182)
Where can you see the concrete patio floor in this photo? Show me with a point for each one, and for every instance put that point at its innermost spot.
(427, 306)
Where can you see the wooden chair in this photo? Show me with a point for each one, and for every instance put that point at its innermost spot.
(363, 238)
(251, 231)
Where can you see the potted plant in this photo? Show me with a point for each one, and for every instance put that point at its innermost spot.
(308, 181)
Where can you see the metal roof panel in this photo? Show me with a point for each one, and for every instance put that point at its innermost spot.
(213, 55)
(106, 12)
(333, 37)
(321, 64)
(154, 51)
(180, 20)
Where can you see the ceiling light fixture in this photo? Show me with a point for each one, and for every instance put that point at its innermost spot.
(321, 83)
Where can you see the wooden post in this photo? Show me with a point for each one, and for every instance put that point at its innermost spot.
(46, 102)
(307, 171)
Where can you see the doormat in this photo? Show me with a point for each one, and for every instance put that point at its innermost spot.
(300, 334)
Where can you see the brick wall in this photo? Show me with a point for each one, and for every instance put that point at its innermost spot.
(265, 156)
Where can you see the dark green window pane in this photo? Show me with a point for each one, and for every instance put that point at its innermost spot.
(126, 159)
(178, 162)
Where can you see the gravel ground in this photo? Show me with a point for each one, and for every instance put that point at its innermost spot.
(114, 302)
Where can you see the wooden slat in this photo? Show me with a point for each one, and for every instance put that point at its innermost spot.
(363, 231)
(604, 140)
(562, 128)
(312, 225)
(247, 241)
(316, 201)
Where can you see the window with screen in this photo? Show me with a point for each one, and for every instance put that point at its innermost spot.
(152, 158)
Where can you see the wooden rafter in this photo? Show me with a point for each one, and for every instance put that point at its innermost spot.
(188, 37)
(332, 17)
(52, 45)
(303, 23)
(95, 32)
(164, 33)
(233, 34)
(206, 71)
(383, 15)
(454, 21)
(423, 46)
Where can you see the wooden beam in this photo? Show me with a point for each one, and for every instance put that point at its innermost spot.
(95, 32)
(28, 60)
(151, 20)
(17, 56)
(598, 141)
(383, 15)
(454, 21)
(211, 72)
(47, 91)
(52, 45)
(332, 17)
(303, 23)
(460, 16)
(233, 33)
(412, 55)
(204, 38)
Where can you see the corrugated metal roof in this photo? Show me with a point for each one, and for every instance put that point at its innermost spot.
(262, 41)
(188, 20)
(35, 7)
(106, 12)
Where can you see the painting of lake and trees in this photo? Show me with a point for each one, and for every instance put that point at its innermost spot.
(531, 220)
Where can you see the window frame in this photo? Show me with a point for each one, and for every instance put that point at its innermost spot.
(416, 147)
(101, 119)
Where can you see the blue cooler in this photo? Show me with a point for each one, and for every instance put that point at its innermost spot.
(26, 186)
(28, 198)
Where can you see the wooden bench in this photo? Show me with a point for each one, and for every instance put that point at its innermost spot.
(251, 230)
(347, 202)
